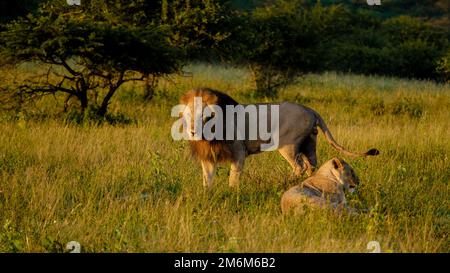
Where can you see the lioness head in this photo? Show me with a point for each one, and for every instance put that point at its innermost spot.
(345, 174)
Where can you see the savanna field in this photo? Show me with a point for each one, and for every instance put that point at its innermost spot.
(129, 187)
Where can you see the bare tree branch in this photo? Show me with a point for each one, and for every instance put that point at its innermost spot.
(70, 69)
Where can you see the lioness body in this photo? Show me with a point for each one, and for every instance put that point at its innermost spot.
(325, 189)
(297, 138)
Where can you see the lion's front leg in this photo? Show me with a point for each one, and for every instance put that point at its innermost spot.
(208, 173)
(237, 165)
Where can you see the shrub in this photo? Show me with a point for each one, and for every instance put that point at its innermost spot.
(443, 67)
(410, 107)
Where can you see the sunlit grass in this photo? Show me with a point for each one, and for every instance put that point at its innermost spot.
(131, 188)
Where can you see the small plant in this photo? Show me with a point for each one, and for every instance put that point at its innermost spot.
(406, 106)
(443, 67)
(52, 245)
(9, 238)
(378, 108)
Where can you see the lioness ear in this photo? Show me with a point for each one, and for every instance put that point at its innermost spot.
(337, 164)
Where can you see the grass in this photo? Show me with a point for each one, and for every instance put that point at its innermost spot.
(131, 188)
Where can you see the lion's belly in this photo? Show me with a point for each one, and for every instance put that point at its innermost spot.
(253, 146)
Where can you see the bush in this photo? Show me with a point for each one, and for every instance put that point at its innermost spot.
(443, 67)
(284, 39)
(400, 46)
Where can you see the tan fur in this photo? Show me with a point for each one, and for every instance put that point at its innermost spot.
(325, 189)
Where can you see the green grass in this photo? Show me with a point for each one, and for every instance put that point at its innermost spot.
(131, 188)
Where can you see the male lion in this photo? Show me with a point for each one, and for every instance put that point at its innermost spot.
(297, 131)
(325, 189)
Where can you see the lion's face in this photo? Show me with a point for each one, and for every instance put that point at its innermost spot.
(204, 149)
(191, 117)
(346, 174)
(194, 111)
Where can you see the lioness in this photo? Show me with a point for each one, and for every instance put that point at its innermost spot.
(325, 189)
(297, 134)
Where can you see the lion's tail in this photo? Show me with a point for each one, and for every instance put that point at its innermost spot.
(329, 137)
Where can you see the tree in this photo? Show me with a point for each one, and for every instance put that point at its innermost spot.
(201, 26)
(198, 27)
(415, 47)
(283, 40)
(86, 56)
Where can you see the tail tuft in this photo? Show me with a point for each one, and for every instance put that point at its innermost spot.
(373, 152)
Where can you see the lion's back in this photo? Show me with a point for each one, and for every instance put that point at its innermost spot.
(296, 122)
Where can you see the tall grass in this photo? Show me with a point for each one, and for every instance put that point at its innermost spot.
(131, 188)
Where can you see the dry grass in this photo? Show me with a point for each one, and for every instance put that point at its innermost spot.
(131, 188)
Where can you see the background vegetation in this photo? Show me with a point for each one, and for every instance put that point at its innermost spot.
(100, 42)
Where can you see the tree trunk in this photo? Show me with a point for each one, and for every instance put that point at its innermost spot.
(83, 101)
(151, 82)
(66, 102)
(104, 106)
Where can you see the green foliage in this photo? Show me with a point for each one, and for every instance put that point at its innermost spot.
(10, 240)
(443, 67)
(197, 26)
(400, 46)
(285, 39)
(97, 46)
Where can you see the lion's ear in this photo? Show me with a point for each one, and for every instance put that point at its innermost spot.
(337, 164)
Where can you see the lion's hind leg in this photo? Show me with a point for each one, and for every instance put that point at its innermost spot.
(237, 164)
(308, 154)
(293, 157)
